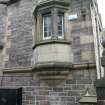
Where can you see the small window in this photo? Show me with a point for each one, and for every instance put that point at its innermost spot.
(60, 25)
(47, 28)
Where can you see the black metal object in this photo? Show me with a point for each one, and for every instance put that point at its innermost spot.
(11, 96)
(100, 93)
(103, 43)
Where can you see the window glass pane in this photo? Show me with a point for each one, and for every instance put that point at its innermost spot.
(45, 34)
(47, 25)
(45, 21)
(60, 33)
(49, 33)
(45, 28)
(59, 19)
(59, 28)
(60, 24)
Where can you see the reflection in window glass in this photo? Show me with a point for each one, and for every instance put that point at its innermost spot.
(60, 24)
(46, 26)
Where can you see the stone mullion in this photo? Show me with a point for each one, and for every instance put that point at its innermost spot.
(54, 23)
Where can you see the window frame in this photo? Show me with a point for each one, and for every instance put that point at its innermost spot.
(54, 12)
(43, 25)
(62, 25)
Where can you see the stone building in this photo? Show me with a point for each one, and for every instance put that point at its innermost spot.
(49, 48)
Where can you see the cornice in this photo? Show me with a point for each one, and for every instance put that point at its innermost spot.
(30, 68)
(48, 3)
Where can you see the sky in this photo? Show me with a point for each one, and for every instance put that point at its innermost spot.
(101, 5)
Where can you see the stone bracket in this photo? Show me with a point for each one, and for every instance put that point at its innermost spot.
(52, 71)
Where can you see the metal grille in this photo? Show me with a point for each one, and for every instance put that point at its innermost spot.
(101, 93)
(11, 96)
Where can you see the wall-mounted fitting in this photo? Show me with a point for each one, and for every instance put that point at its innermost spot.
(88, 99)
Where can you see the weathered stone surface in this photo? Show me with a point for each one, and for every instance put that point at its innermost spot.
(85, 81)
(39, 93)
(58, 89)
(20, 17)
(71, 81)
(16, 33)
(73, 93)
(80, 30)
(20, 51)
